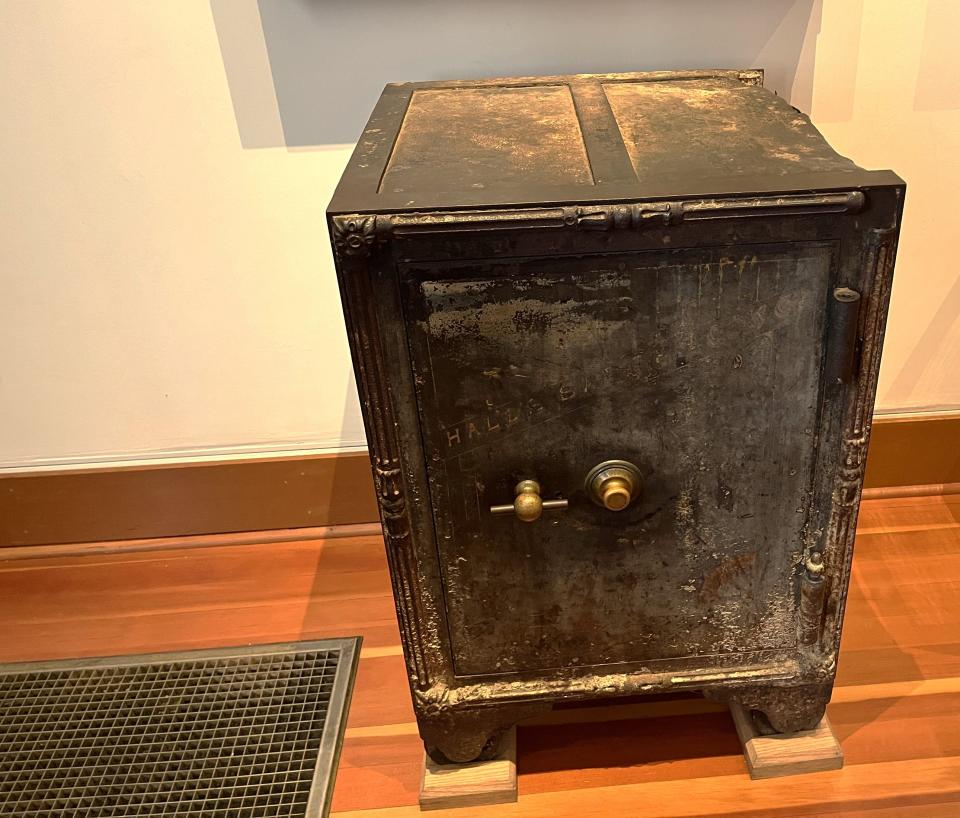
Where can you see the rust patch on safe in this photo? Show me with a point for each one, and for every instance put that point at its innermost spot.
(727, 572)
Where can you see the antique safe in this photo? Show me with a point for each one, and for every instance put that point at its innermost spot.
(616, 339)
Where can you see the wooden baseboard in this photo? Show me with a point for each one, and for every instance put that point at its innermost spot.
(176, 500)
(926, 490)
(188, 499)
(276, 535)
(914, 450)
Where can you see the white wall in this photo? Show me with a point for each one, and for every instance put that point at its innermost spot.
(886, 92)
(163, 289)
(166, 287)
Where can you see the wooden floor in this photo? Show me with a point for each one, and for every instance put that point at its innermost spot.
(896, 707)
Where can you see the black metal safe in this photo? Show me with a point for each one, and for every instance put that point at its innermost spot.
(617, 340)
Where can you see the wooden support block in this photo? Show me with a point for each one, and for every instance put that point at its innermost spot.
(770, 756)
(470, 785)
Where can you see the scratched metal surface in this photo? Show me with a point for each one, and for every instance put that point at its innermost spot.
(700, 366)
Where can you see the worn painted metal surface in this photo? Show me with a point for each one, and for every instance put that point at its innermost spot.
(672, 272)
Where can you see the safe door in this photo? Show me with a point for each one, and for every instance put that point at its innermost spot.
(698, 373)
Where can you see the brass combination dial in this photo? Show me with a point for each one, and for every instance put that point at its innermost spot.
(614, 484)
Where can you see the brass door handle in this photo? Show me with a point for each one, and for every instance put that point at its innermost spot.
(528, 505)
(614, 484)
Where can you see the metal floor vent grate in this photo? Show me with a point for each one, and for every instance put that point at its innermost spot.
(235, 732)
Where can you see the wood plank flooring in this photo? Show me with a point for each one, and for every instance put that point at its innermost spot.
(896, 708)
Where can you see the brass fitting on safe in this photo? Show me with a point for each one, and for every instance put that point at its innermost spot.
(528, 505)
(613, 484)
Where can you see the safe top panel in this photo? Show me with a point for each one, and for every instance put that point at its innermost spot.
(481, 135)
(587, 138)
(714, 127)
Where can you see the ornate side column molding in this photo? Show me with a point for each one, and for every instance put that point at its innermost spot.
(879, 253)
(353, 240)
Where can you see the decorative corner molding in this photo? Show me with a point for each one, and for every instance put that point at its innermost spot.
(432, 701)
(354, 235)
